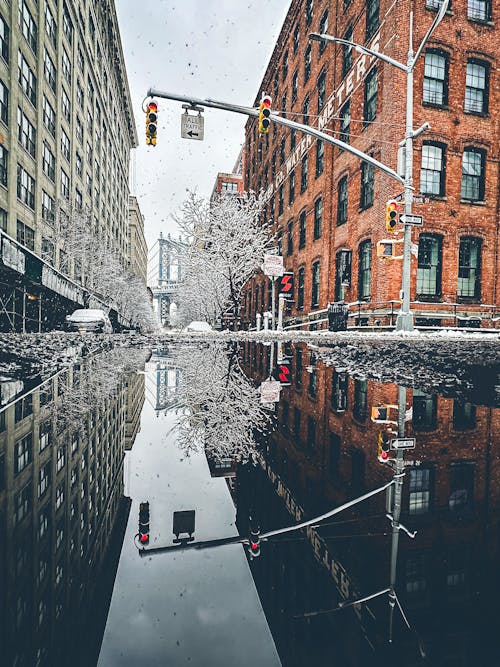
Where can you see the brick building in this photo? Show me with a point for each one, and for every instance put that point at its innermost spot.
(230, 183)
(329, 207)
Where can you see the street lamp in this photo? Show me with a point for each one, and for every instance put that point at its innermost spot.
(404, 320)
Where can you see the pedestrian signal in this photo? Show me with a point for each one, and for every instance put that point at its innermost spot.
(380, 413)
(285, 284)
(283, 373)
(264, 114)
(151, 123)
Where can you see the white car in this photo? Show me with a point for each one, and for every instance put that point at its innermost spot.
(202, 327)
(87, 320)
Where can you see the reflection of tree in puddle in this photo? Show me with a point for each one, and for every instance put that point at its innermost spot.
(94, 381)
(219, 407)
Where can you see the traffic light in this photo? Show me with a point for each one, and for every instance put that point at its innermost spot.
(383, 448)
(144, 523)
(285, 284)
(391, 215)
(264, 113)
(151, 123)
(254, 542)
(283, 373)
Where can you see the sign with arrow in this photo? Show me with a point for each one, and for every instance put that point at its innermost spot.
(192, 126)
(410, 219)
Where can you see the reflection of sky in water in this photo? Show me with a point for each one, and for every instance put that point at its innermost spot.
(192, 607)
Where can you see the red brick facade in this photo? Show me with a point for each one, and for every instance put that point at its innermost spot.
(460, 98)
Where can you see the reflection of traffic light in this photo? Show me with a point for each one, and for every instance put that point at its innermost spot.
(380, 413)
(283, 373)
(391, 215)
(384, 446)
(254, 542)
(285, 284)
(144, 523)
(151, 123)
(264, 113)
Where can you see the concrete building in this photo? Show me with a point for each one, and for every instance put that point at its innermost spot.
(66, 127)
(137, 248)
(329, 207)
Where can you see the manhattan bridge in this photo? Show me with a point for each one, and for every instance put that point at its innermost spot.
(164, 275)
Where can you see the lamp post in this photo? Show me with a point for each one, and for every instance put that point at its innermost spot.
(404, 321)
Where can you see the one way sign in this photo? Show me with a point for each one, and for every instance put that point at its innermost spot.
(192, 126)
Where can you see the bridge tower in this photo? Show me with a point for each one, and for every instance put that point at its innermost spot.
(166, 275)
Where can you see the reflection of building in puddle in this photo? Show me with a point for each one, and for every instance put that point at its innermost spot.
(163, 387)
(323, 453)
(62, 516)
(135, 387)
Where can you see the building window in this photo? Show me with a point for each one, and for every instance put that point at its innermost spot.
(78, 199)
(464, 415)
(25, 187)
(4, 103)
(315, 285)
(50, 26)
(429, 265)
(318, 218)
(296, 38)
(461, 486)
(49, 70)
(79, 130)
(420, 491)
(67, 25)
(364, 270)
(370, 97)
(48, 162)
(44, 478)
(23, 453)
(79, 93)
(26, 236)
(26, 133)
(281, 202)
(309, 12)
(3, 227)
(48, 251)
(295, 87)
(300, 288)
(432, 172)
(347, 52)
(303, 177)
(473, 162)
(4, 158)
(229, 186)
(372, 17)
(469, 268)
(435, 78)
(66, 66)
(302, 230)
(342, 201)
(345, 122)
(90, 91)
(323, 29)
(284, 72)
(424, 411)
(293, 139)
(22, 504)
(291, 190)
(339, 392)
(48, 208)
(27, 80)
(307, 63)
(282, 150)
(290, 238)
(367, 185)
(49, 117)
(321, 90)
(28, 25)
(360, 400)
(479, 10)
(65, 184)
(312, 389)
(298, 367)
(305, 111)
(476, 87)
(320, 157)
(65, 146)
(65, 106)
(4, 39)
(343, 268)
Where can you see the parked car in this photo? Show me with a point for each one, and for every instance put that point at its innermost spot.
(202, 327)
(87, 320)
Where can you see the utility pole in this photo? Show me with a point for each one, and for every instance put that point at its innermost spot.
(404, 321)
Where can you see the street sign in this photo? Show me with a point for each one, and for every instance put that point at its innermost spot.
(270, 391)
(416, 199)
(273, 265)
(403, 443)
(192, 126)
(409, 219)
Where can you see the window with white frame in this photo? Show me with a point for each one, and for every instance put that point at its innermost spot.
(27, 79)
(28, 25)
(26, 133)
(473, 177)
(476, 87)
(25, 187)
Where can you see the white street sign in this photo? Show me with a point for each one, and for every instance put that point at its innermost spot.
(417, 199)
(192, 126)
(403, 443)
(273, 265)
(410, 219)
(270, 391)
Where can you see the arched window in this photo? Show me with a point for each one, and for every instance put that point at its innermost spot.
(365, 270)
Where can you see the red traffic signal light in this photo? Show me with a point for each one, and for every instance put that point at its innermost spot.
(144, 523)
(391, 215)
(384, 447)
(285, 284)
(264, 114)
(151, 123)
(254, 542)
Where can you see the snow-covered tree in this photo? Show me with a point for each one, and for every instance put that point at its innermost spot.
(219, 408)
(227, 243)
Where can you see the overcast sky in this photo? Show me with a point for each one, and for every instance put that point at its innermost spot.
(206, 48)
